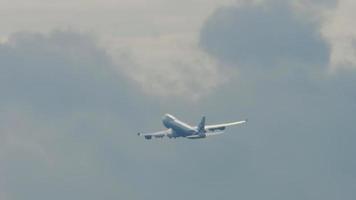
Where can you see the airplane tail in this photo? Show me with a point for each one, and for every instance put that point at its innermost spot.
(201, 126)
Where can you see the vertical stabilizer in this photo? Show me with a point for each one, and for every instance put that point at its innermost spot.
(201, 126)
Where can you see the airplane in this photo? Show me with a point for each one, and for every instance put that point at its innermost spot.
(177, 128)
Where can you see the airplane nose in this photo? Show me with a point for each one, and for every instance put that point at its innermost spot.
(168, 116)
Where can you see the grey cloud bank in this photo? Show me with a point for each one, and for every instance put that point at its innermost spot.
(301, 119)
(62, 103)
(68, 120)
(62, 71)
(269, 33)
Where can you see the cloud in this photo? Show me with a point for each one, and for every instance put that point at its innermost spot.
(264, 35)
(339, 31)
(168, 66)
(61, 71)
(162, 41)
(118, 18)
(295, 144)
(63, 101)
(69, 113)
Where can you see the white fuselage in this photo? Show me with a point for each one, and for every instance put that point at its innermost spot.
(179, 128)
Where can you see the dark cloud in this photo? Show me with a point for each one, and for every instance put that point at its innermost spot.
(265, 36)
(64, 108)
(61, 72)
(296, 144)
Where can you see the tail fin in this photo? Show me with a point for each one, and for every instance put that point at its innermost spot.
(201, 126)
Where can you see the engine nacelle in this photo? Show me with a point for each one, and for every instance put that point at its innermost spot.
(159, 136)
(171, 134)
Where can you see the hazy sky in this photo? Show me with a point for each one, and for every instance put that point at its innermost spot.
(79, 79)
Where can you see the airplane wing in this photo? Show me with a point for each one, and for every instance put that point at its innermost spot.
(210, 133)
(213, 133)
(221, 127)
(159, 134)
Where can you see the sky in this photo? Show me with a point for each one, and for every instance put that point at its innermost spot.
(79, 79)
